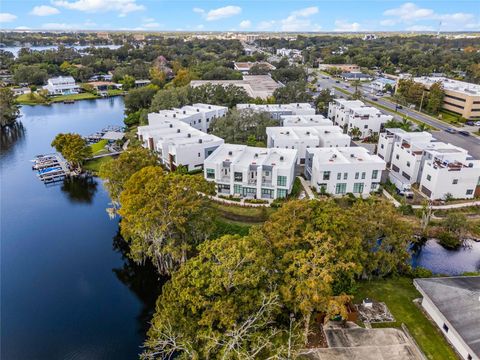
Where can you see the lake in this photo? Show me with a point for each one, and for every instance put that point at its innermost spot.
(16, 49)
(67, 291)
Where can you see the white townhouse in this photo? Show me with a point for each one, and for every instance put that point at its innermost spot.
(198, 116)
(302, 138)
(178, 143)
(304, 120)
(251, 172)
(438, 168)
(276, 111)
(350, 114)
(338, 171)
(62, 85)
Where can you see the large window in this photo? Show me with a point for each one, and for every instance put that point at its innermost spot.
(345, 176)
(341, 188)
(237, 189)
(238, 176)
(281, 193)
(358, 188)
(249, 192)
(281, 180)
(363, 175)
(267, 193)
(210, 173)
(339, 176)
(374, 174)
(326, 176)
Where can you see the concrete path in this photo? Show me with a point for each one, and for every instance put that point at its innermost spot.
(434, 207)
(307, 188)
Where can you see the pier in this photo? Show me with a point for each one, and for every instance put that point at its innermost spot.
(51, 168)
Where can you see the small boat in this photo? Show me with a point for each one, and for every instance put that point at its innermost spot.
(68, 101)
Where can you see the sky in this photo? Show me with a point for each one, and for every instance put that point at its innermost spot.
(241, 15)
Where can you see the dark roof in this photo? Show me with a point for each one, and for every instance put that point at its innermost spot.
(458, 299)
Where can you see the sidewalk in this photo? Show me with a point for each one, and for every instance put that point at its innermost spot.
(307, 188)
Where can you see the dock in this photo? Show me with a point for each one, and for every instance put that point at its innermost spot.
(51, 168)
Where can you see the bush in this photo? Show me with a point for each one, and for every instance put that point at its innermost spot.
(256, 201)
(449, 240)
(419, 272)
(229, 197)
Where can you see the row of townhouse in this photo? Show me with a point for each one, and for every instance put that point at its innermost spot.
(276, 111)
(199, 116)
(304, 120)
(302, 138)
(440, 169)
(351, 114)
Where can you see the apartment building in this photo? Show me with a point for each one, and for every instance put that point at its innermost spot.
(62, 85)
(304, 120)
(342, 67)
(460, 97)
(178, 143)
(198, 116)
(251, 172)
(439, 168)
(342, 170)
(276, 111)
(351, 114)
(244, 67)
(302, 138)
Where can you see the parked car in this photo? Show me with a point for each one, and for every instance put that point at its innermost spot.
(470, 123)
(477, 123)
(374, 99)
(406, 193)
(399, 107)
(451, 131)
(337, 81)
(464, 133)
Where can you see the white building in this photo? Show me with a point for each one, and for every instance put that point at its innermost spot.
(439, 168)
(178, 143)
(338, 171)
(276, 111)
(251, 172)
(288, 52)
(453, 303)
(380, 84)
(198, 116)
(244, 67)
(302, 138)
(62, 85)
(304, 120)
(350, 114)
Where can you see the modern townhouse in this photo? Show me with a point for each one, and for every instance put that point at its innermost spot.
(251, 172)
(354, 114)
(302, 138)
(338, 171)
(62, 85)
(178, 143)
(438, 168)
(199, 116)
(276, 111)
(304, 120)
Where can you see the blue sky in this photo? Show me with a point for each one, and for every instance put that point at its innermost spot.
(241, 15)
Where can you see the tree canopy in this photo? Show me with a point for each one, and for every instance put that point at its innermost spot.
(73, 147)
(9, 110)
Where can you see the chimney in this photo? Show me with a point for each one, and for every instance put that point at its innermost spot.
(189, 135)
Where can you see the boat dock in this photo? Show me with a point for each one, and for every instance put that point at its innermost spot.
(51, 167)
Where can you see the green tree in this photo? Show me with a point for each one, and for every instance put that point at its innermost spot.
(170, 98)
(30, 74)
(259, 69)
(128, 82)
(229, 95)
(117, 172)
(355, 133)
(164, 217)
(9, 110)
(322, 101)
(182, 78)
(140, 98)
(435, 98)
(73, 147)
(292, 92)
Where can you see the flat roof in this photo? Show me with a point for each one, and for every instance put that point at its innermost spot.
(344, 155)
(305, 120)
(276, 107)
(450, 84)
(458, 300)
(306, 132)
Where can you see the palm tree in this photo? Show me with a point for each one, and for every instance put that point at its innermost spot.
(355, 133)
(422, 127)
(406, 124)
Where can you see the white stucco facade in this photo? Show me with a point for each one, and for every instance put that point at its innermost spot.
(276, 111)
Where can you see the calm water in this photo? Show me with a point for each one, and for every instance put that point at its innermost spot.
(67, 292)
(16, 49)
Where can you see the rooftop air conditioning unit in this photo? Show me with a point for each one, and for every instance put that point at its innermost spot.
(184, 111)
(230, 153)
(281, 158)
(189, 135)
(308, 132)
(171, 125)
(174, 115)
(178, 130)
(200, 141)
(256, 155)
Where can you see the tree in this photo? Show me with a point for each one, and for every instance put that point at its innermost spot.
(169, 98)
(9, 110)
(292, 92)
(322, 101)
(164, 217)
(73, 147)
(182, 78)
(117, 172)
(355, 133)
(30, 74)
(435, 98)
(259, 69)
(140, 98)
(128, 82)
(289, 74)
(240, 127)
(229, 95)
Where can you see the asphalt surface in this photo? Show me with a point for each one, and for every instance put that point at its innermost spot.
(470, 143)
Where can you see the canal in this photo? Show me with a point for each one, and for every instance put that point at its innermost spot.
(67, 291)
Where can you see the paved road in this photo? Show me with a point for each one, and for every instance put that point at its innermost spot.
(470, 143)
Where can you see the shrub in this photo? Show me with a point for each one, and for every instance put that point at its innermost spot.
(256, 201)
(449, 240)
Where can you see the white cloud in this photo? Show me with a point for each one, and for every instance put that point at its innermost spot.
(420, 28)
(68, 26)
(409, 12)
(7, 17)
(265, 25)
(342, 25)
(152, 25)
(198, 10)
(388, 22)
(299, 20)
(309, 11)
(123, 7)
(44, 10)
(245, 24)
(223, 12)
(22, 28)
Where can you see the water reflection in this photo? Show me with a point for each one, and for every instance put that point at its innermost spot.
(142, 280)
(80, 190)
(10, 135)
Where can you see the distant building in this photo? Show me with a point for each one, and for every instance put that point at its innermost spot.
(350, 76)
(244, 67)
(304, 120)
(62, 85)
(338, 171)
(276, 111)
(142, 83)
(302, 138)
(342, 67)
(288, 52)
(351, 114)
(460, 97)
(256, 86)
(379, 84)
(368, 37)
(453, 303)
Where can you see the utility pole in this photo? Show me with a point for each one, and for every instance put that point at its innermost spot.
(421, 101)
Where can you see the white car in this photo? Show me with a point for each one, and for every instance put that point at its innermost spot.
(477, 123)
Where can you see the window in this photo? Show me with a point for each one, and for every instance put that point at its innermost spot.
(469, 191)
(238, 176)
(358, 188)
(210, 173)
(281, 193)
(198, 154)
(339, 176)
(397, 157)
(405, 175)
(341, 188)
(374, 174)
(267, 193)
(326, 175)
(267, 173)
(363, 175)
(429, 177)
(357, 175)
(237, 189)
(469, 357)
(455, 181)
(365, 126)
(249, 192)
(408, 163)
(445, 327)
(381, 146)
(345, 176)
(281, 180)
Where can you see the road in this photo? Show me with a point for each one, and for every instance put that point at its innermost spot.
(470, 143)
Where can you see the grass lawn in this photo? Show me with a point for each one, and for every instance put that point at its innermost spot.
(241, 214)
(82, 96)
(26, 99)
(115, 92)
(398, 295)
(98, 147)
(450, 118)
(94, 165)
